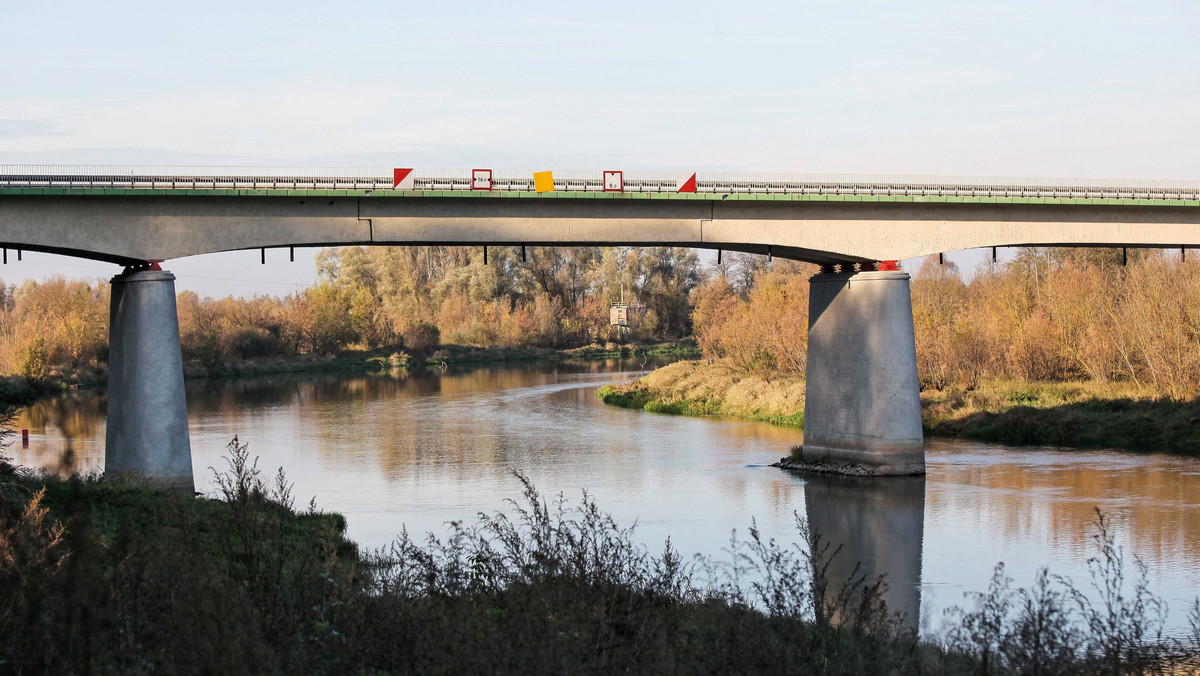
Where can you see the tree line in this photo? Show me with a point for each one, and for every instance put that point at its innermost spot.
(1046, 314)
(413, 298)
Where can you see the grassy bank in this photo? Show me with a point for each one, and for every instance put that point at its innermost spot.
(1082, 415)
(100, 578)
(697, 388)
(458, 354)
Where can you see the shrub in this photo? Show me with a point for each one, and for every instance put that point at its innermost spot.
(421, 336)
(248, 343)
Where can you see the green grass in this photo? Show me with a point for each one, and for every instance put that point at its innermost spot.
(1081, 415)
(19, 391)
(104, 578)
(1069, 415)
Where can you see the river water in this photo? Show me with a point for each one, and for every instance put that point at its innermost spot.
(392, 451)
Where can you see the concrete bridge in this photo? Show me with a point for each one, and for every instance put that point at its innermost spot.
(861, 408)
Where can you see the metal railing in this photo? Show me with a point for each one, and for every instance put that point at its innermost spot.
(285, 178)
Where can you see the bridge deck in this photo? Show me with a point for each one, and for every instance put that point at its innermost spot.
(130, 214)
(273, 181)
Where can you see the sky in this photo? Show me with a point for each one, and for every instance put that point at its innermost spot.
(1064, 89)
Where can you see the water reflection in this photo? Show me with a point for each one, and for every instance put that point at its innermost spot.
(66, 434)
(879, 526)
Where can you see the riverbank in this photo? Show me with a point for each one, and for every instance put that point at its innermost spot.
(1082, 415)
(351, 361)
(700, 389)
(103, 577)
(16, 391)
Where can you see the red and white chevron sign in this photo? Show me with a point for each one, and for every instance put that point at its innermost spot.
(402, 179)
(685, 182)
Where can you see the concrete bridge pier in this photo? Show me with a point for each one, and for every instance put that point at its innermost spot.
(862, 411)
(147, 439)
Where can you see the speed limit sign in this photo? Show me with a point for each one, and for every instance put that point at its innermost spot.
(481, 179)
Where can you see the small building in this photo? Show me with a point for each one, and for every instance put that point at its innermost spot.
(618, 314)
(622, 314)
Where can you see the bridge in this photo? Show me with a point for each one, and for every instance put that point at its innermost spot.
(861, 411)
(132, 214)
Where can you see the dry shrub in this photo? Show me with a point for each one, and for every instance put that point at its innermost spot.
(939, 298)
(420, 335)
(1061, 315)
(54, 326)
(765, 330)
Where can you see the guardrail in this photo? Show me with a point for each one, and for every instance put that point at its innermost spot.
(284, 178)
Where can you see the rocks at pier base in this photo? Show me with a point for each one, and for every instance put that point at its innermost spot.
(824, 467)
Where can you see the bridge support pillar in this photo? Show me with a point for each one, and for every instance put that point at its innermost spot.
(147, 438)
(862, 409)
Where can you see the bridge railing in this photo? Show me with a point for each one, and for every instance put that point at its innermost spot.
(171, 177)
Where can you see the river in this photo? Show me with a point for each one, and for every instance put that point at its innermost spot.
(392, 451)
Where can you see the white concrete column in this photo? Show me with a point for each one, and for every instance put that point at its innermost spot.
(862, 405)
(147, 438)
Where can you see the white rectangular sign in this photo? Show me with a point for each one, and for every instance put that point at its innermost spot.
(613, 181)
(481, 179)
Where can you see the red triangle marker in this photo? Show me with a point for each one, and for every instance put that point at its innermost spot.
(399, 175)
(688, 185)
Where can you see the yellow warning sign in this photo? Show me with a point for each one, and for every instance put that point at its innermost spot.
(543, 181)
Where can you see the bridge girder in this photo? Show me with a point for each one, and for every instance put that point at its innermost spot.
(126, 229)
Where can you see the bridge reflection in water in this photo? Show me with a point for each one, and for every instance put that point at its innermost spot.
(879, 525)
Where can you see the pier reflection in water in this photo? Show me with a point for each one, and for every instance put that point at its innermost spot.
(874, 527)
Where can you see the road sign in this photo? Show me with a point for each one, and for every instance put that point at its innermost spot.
(403, 179)
(685, 182)
(613, 181)
(481, 179)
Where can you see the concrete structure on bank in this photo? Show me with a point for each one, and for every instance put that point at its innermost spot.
(862, 406)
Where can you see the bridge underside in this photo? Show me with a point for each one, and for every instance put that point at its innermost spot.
(127, 229)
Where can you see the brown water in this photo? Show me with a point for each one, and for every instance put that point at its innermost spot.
(392, 452)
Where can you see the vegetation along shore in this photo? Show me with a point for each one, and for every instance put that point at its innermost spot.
(99, 577)
(1081, 415)
(1055, 347)
(371, 307)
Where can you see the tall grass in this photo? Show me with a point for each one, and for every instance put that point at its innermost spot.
(1056, 627)
(100, 579)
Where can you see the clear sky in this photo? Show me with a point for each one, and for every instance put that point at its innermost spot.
(1105, 89)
